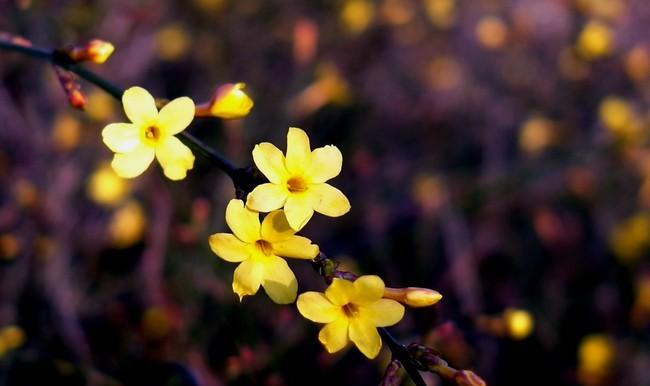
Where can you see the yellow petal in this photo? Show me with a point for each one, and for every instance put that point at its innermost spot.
(275, 227)
(325, 164)
(139, 106)
(248, 277)
(365, 337)
(298, 208)
(340, 292)
(328, 200)
(245, 223)
(175, 158)
(296, 247)
(266, 197)
(133, 163)
(368, 289)
(279, 281)
(229, 247)
(317, 308)
(334, 336)
(298, 151)
(176, 115)
(383, 312)
(121, 137)
(270, 161)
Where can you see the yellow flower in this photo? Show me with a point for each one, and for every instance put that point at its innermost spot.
(230, 102)
(150, 134)
(297, 182)
(258, 248)
(351, 310)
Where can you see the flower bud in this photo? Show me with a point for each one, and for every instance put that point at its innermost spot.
(413, 296)
(228, 102)
(96, 51)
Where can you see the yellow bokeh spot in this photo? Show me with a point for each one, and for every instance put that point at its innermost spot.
(65, 132)
(520, 323)
(356, 15)
(397, 12)
(212, 6)
(127, 225)
(105, 187)
(491, 32)
(172, 42)
(595, 41)
(444, 73)
(12, 337)
(100, 106)
(637, 63)
(156, 323)
(442, 13)
(25, 193)
(630, 238)
(536, 134)
(619, 118)
(596, 354)
(643, 294)
(606, 9)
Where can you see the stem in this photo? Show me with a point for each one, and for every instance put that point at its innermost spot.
(401, 354)
(116, 92)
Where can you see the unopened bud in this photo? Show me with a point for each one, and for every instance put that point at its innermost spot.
(413, 296)
(392, 376)
(228, 102)
(468, 378)
(71, 87)
(96, 51)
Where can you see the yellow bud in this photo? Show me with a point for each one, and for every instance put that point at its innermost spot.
(12, 336)
(228, 102)
(520, 323)
(99, 50)
(413, 296)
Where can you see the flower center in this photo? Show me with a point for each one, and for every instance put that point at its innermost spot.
(152, 134)
(264, 246)
(296, 184)
(350, 310)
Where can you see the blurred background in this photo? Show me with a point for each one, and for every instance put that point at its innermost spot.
(495, 150)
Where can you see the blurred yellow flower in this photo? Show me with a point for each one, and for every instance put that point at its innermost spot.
(595, 355)
(105, 187)
(172, 42)
(12, 336)
(258, 247)
(150, 134)
(619, 118)
(127, 225)
(520, 323)
(630, 238)
(491, 32)
(536, 134)
(351, 311)
(442, 13)
(356, 15)
(65, 132)
(595, 41)
(297, 182)
(228, 102)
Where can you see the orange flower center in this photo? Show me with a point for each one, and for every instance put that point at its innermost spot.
(264, 246)
(296, 184)
(350, 310)
(152, 134)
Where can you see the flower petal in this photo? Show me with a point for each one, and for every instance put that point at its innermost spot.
(245, 223)
(175, 158)
(334, 336)
(316, 307)
(266, 197)
(275, 227)
(279, 281)
(229, 247)
(296, 247)
(340, 292)
(270, 161)
(133, 163)
(139, 106)
(383, 313)
(121, 137)
(328, 200)
(176, 115)
(325, 164)
(298, 151)
(365, 337)
(368, 289)
(298, 208)
(247, 278)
